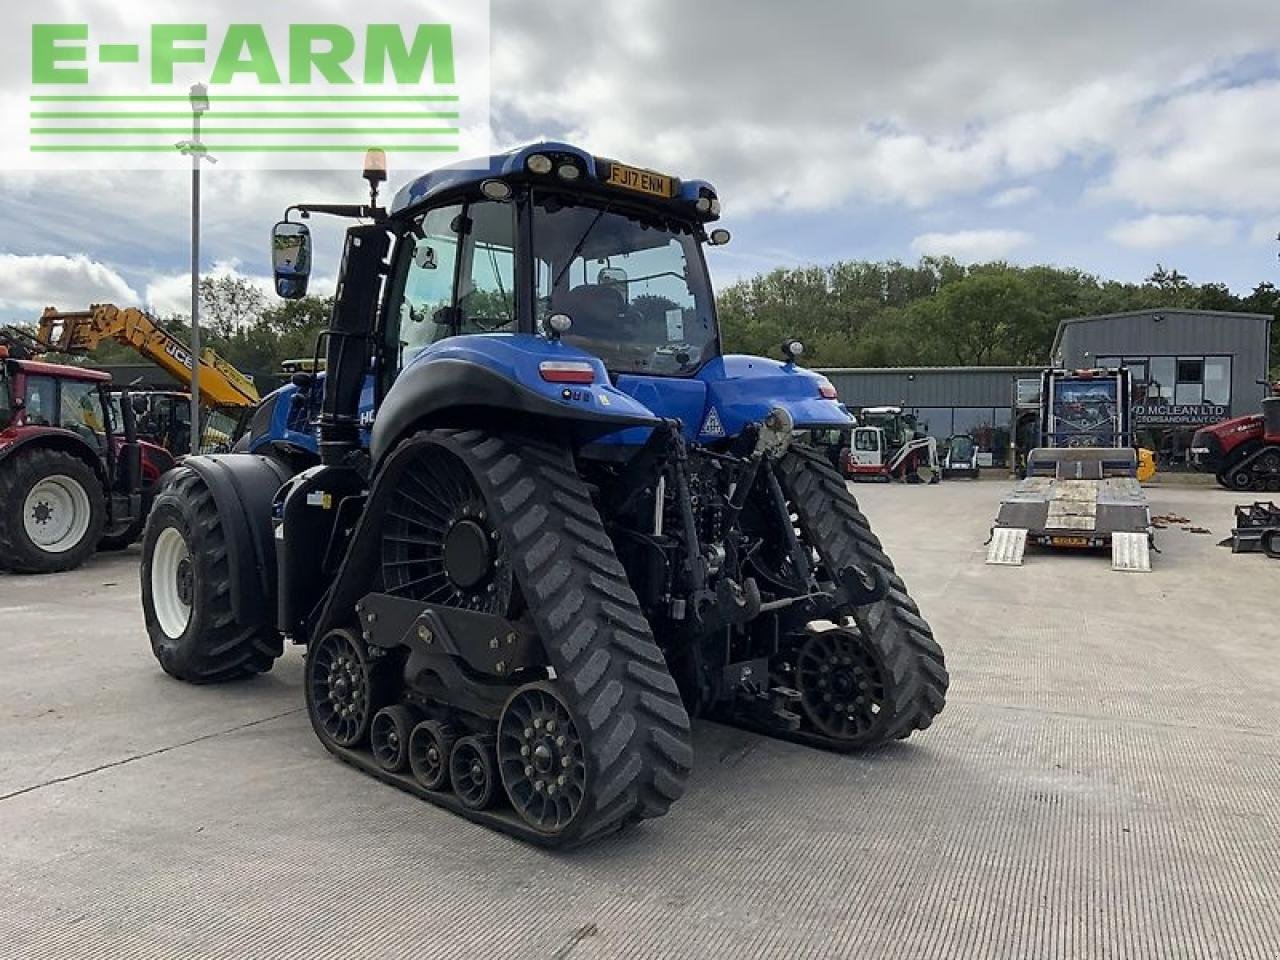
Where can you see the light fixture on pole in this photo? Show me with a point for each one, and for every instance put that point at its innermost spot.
(196, 151)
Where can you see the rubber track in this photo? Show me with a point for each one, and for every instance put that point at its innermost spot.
(612, 674)
(833, 524)
(227, 650)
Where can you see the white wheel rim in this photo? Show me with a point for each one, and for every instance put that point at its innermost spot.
(172, 582)
(56, 513)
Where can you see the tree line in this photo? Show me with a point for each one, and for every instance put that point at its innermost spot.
(940, 313)
(854, 313)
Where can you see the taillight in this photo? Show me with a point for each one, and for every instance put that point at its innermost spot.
(827, 390)
(566, 371)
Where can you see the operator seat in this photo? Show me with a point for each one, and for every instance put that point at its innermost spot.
(598, 312)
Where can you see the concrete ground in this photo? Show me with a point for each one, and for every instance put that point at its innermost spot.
(1105, 782)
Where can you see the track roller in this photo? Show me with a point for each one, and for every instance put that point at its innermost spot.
(430, 745)
(474, 772)
(389, 737)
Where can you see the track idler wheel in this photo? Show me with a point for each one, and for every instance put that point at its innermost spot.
(430, 746)
(474, 772)
(341, 689)
(541, 758)
(389, 737)
(843, 685)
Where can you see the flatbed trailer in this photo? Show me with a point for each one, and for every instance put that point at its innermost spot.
(1076, 495)
(1088, 499)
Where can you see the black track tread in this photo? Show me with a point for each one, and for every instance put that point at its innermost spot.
(18, 473)
(225, 649)
(832, 522)
(610, 672)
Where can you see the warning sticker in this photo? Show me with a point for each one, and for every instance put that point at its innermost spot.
(712, 427)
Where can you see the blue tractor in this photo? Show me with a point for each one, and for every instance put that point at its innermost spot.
(532, 518)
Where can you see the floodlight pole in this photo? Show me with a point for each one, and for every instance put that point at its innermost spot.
(199, 104)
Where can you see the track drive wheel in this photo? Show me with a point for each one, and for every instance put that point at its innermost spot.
(893, 638)
(51, 511)
(186, 590)
(474, 772)
(430, 746)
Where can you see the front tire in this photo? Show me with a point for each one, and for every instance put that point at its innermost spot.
(186, 591)
(52, 511)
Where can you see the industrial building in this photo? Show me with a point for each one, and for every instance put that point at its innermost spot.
(1190, 367)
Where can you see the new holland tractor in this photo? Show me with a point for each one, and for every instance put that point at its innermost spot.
(550, 520)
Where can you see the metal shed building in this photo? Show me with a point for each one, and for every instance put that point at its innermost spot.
(1190, 367)
(947, 401)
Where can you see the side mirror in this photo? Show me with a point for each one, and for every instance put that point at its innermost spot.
(291, 258)
(718, 237)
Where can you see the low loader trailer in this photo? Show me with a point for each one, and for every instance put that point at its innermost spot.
(1081, 490)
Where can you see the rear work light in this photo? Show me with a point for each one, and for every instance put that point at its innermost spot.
(566, 371)
(827, 391)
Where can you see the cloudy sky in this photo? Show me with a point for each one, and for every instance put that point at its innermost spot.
(1094, 134)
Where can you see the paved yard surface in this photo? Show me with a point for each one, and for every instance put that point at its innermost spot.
(1105, 782)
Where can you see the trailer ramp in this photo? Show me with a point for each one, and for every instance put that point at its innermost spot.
(1081, 497)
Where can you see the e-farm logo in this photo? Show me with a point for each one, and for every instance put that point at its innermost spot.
(281, 94)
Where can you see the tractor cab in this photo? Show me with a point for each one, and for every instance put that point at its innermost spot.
(73, 476)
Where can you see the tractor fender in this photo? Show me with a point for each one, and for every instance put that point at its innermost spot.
(53, 438)
(450, 392)
(243, 487)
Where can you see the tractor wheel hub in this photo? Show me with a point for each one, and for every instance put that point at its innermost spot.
(467, 553)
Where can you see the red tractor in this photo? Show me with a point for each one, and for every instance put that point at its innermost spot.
(73, 475)
(1244, 452)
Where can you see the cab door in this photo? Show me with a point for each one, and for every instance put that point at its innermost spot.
(867, 449)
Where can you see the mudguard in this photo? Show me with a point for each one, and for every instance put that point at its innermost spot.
(55, 438)
(243, 488)
(446, 390)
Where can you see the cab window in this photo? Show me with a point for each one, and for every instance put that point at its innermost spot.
(428, 282)
(475, 244)
(81, 411)
(867, 440)
(39, 401)
(486, 300)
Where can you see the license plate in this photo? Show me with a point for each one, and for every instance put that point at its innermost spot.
(641, 181)
(1070, 541)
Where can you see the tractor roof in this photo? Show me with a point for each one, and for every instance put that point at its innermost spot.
(61, 370)
(594, 176)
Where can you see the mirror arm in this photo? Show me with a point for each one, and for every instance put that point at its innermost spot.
(355, 211)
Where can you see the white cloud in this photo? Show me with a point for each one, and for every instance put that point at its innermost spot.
(827, 103)
(1266, 232)
(29, 283)
(1013, 197)
(171, 293)
(1211, 150)
(1161, 231)
(970, 246)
